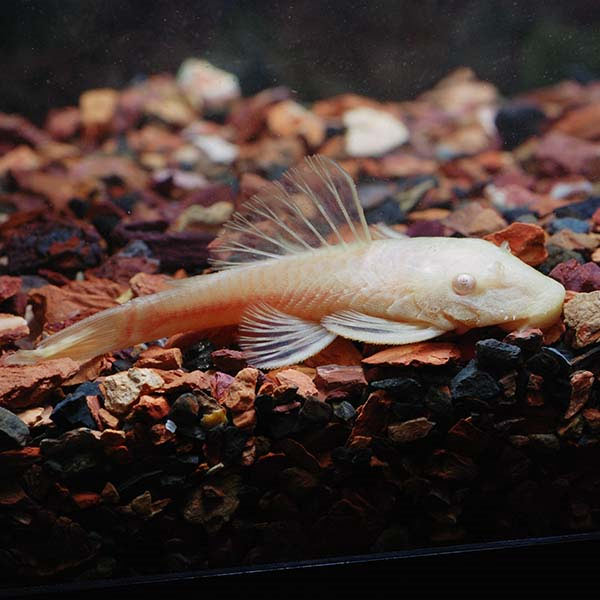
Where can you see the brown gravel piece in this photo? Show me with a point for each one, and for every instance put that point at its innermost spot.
(570, 240)
(415, 355)
(340, 352)
(450, 466)
(63, 123)
(474, 220)
(59, 189)
(241, 393)
(143, 284)
(249, 115)
(582, 122)
(211, 505)
(399, 164)
(91, 369)
(19, 129)
(12, 328)
(11, 493)
(151, 408)
(581, 384)
(554, 333)
(466, 438)
(97, 109)
(121, 269)
(230, 361)
(409, 431)
(558, 153)
(526, 241)
(372, 417)
(27, 385)
(9, 287)
(42, 240)
(160, 358)
(582, 315)
(294, 379)
(33, 416)
(576, 277)
(289, 118)
(122, 390)
(177, 380)
(337, 377)
(56, 307)
(592, 417)
(530, 340)
(299, 455)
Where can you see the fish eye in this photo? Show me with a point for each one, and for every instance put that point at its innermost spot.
(463, 284)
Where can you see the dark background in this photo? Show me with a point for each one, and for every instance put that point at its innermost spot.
(52, 50)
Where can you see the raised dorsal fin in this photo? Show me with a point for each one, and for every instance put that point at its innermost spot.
(314, 205)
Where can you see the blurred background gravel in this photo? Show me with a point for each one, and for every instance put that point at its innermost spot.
(52, 50)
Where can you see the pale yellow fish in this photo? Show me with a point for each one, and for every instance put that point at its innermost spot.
(299, 266)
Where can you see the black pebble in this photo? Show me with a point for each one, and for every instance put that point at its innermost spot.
(197, 357)
(316, 411)
(405, 411)
(121, 365)
(344, 410)
(235, 442)
(405, 389)
(570, 223)
(73, 411)
(358, 458)
(518, 121)
(126, 202)
(439, 403)
(105, 224)
(192, 432)
(388, 212)
(79, 207)
(280, 425)
(136, 248)
(579, 210)
(513, 214)
(496, 355)
(471, 383)
(13, 432)
(275, 172)
(184, 410)
(549, 362)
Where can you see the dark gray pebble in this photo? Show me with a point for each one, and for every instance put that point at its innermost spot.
(470, 382)
(13, 432)
(497, 355)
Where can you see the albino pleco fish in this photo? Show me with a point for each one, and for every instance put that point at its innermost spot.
(299, 266)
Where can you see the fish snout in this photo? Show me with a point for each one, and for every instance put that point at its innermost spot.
(543, 309)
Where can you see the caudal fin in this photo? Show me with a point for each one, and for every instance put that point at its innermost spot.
(83, 340)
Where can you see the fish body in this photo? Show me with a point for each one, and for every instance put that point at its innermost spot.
(309, 270)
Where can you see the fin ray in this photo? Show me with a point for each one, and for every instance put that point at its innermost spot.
(271, 338)
(314, 205)
(376, 330)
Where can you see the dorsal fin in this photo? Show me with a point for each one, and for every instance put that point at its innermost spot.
(314, 205)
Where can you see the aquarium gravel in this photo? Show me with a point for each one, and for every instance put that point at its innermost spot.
(176, 455)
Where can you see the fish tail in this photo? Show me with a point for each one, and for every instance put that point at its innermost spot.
(83, 340)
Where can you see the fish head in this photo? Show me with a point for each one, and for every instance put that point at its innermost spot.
(482, 284)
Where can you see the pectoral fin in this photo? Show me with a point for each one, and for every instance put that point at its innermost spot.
(271, 338)
(375, 330)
